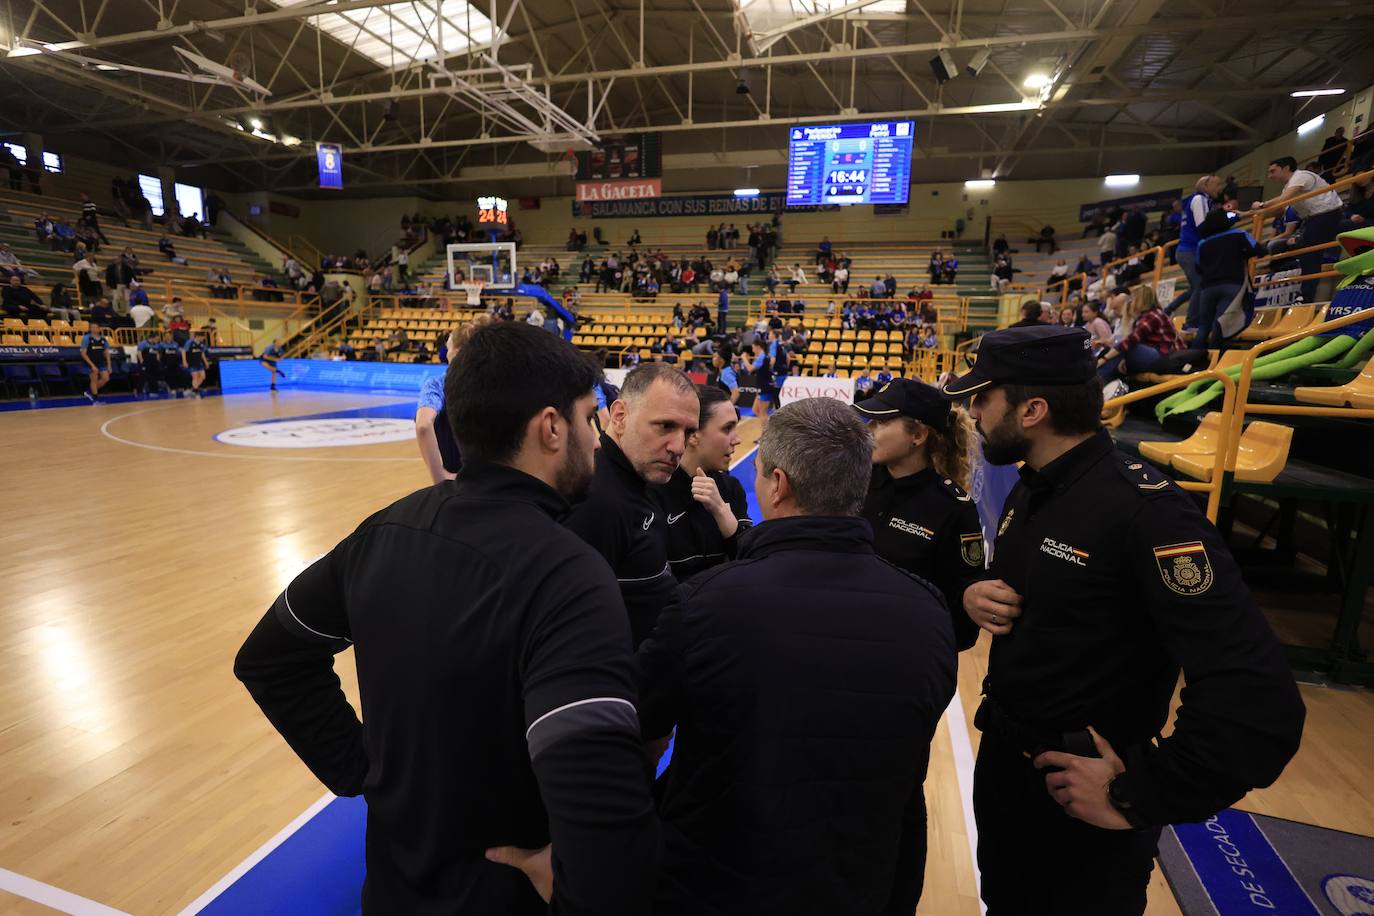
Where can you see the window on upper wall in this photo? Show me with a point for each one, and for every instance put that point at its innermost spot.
(190, 200)
(19, 152)
(52, 162)
(152, 189)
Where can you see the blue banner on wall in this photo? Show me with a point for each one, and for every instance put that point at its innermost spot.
(724, 205)
(1159, 200)
(330, 158)
(405, 378)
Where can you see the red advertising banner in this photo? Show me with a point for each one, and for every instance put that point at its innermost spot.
(637, 189)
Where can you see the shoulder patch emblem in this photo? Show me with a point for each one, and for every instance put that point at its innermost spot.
(1006, 522)
(971, 549)
(1184, 568)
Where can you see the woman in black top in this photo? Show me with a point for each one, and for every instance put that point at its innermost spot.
(703, 504)
(923, 519)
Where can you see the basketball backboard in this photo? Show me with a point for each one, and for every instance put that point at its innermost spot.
(491, 262)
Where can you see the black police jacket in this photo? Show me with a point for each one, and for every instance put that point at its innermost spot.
(494, 670)
(805, 680)
(626, 527)
(929, 526)
(694, 539)
(1124, 582)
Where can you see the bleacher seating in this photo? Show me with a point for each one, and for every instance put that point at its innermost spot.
(18, 211)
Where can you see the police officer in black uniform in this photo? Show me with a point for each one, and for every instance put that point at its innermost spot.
(704, 506)
(922, 516)
(493, 660)
(1106, 580)
(650, 423)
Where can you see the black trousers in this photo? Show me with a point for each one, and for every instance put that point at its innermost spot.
(1036, 860)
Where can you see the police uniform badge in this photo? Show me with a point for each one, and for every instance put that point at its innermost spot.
(971, 549)
(1006, 523)
(1184, 567)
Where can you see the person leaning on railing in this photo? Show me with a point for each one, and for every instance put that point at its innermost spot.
(1321, 213)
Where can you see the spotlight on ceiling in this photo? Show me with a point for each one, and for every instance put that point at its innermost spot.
(943, 66)
(1121, 181)
(978, 62)
(255, 123)
(1036, 81)
(742, 85)
(1309, 93)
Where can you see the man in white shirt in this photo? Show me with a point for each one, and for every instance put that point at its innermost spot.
(1320, 213)
(141, 314)
(798, 277)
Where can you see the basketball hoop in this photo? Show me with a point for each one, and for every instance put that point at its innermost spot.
(473, 288)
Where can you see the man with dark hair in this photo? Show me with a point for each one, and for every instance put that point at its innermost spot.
(1320, 213)
(1030, 315)
(1105, 581)
(804, 714)
(649, 426)
(493, 663)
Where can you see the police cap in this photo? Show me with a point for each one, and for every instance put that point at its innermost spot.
(904, 397)
(1039, 355)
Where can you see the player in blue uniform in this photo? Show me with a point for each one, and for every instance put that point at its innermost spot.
(173, 365)
(194, 359)
(269, 359)
(149, 360)
(726, 378)
(95, 352)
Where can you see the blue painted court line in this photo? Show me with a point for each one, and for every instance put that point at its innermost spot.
(744, 473)
(317, 871)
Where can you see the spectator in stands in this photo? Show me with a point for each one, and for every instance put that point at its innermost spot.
(839, 285)
(536, 317)
(1030, 315)
(173, 310)
(60, 303)
(1195, 209)
(1151, 336)
(635, 241)
(169, 250)
(1099, 331)
(102, 313)
(1060, 270)
(1223, 265)
(21, 302)
(823, 250)
(1046, 238)
(45, 230)
(1133, 226)
(140, 313)
(398, 340)
(1067, 317)
(10, 265)
(90, 215)
(1321, 214)
(87, 279)
(1360, 210)
(1333, 150)
(936, 266)
(949, 271)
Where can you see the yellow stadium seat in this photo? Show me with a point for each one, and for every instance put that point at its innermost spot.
(1358, 392)
(14, 324)
(1262, 454)
(1261, 327)
(847, 347)
(845, 362)
(830, 347)
(12, 340)
(865, 336)
(63, 340)
(1203, 441)
(849, 335)
(39, 325)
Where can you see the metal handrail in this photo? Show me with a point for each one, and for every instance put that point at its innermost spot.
(1213, 486)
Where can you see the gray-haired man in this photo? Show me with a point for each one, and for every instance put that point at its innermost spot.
(805, 681)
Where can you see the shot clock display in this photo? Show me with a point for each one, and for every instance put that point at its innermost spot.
(850, 164)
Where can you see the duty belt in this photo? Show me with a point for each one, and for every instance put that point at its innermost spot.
(992, 719)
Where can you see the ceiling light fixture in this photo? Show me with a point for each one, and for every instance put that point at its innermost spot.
(1309, 93)
(1036, 81)
(1308, 126)
(979, 184)
(746, 192)
(1122, 181)
(255, 123)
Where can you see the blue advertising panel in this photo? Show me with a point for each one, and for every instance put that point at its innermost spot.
(330, 159)
(406, 378)
(850, 164)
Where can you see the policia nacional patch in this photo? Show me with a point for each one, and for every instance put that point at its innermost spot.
(1184, 567)
(971, 549)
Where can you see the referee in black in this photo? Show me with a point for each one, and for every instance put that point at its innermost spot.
(493, 661)
(651, 421)
(1106, 581)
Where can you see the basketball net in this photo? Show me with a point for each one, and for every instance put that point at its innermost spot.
(474, 288)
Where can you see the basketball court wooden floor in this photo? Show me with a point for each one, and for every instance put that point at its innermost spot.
(136, 553)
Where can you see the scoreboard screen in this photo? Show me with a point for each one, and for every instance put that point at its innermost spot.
(849, 164)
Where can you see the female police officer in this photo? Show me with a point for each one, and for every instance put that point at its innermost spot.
(923, 520)
(703, 504)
